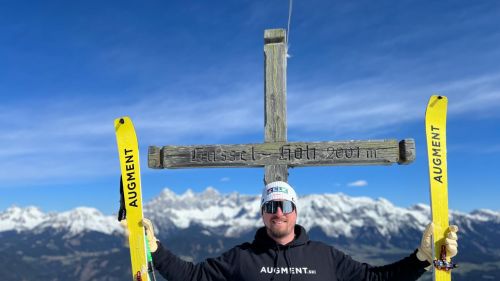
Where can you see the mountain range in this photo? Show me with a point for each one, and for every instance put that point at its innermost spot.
(84, 244)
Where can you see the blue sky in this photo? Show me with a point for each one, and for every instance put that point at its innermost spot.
(191, 72)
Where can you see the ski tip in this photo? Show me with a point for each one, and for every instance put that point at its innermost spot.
(438, 97)
(122, 120)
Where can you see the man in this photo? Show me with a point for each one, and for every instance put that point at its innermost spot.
(282, 251)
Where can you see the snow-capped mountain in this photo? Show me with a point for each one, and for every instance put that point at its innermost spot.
(20, 219)
(83, 244)
(234, 214)
(335, 214)
(76, 221)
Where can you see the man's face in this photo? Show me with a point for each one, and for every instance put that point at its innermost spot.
(280, 225)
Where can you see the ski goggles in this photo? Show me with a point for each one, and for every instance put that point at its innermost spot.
(271, 207)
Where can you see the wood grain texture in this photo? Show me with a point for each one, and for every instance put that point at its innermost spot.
(288, 154)
(275, 126)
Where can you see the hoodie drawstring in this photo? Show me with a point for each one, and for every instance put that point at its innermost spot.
(276, 257)
(288, 263)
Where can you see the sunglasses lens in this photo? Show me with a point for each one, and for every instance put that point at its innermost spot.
(286, 207)
(271, 207)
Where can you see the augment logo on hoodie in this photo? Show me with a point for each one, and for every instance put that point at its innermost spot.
(287, 270)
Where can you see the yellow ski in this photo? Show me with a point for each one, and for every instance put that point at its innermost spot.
(128, 151)
(435, 128)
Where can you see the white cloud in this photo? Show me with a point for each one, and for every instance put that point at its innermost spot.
(225, 179)
(49, 141)
(358, 183)
(372, 105)
(73, 139)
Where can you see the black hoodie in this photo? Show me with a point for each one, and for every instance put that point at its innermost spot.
(301, 259)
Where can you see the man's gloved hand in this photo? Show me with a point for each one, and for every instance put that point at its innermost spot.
(424, 252)
(150, 234)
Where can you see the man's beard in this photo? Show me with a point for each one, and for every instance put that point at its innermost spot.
(278, 232)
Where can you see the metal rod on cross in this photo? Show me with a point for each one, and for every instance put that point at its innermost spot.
(276, 155)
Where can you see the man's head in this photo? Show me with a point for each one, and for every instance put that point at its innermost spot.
(279, 211)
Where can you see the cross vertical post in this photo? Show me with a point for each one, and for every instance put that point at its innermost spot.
(275, 98)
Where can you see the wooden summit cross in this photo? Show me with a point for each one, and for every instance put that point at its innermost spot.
(276, 154)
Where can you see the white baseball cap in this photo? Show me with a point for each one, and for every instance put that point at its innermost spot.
(278, 190)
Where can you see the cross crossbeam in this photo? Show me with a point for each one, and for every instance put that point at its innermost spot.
(290, 154)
